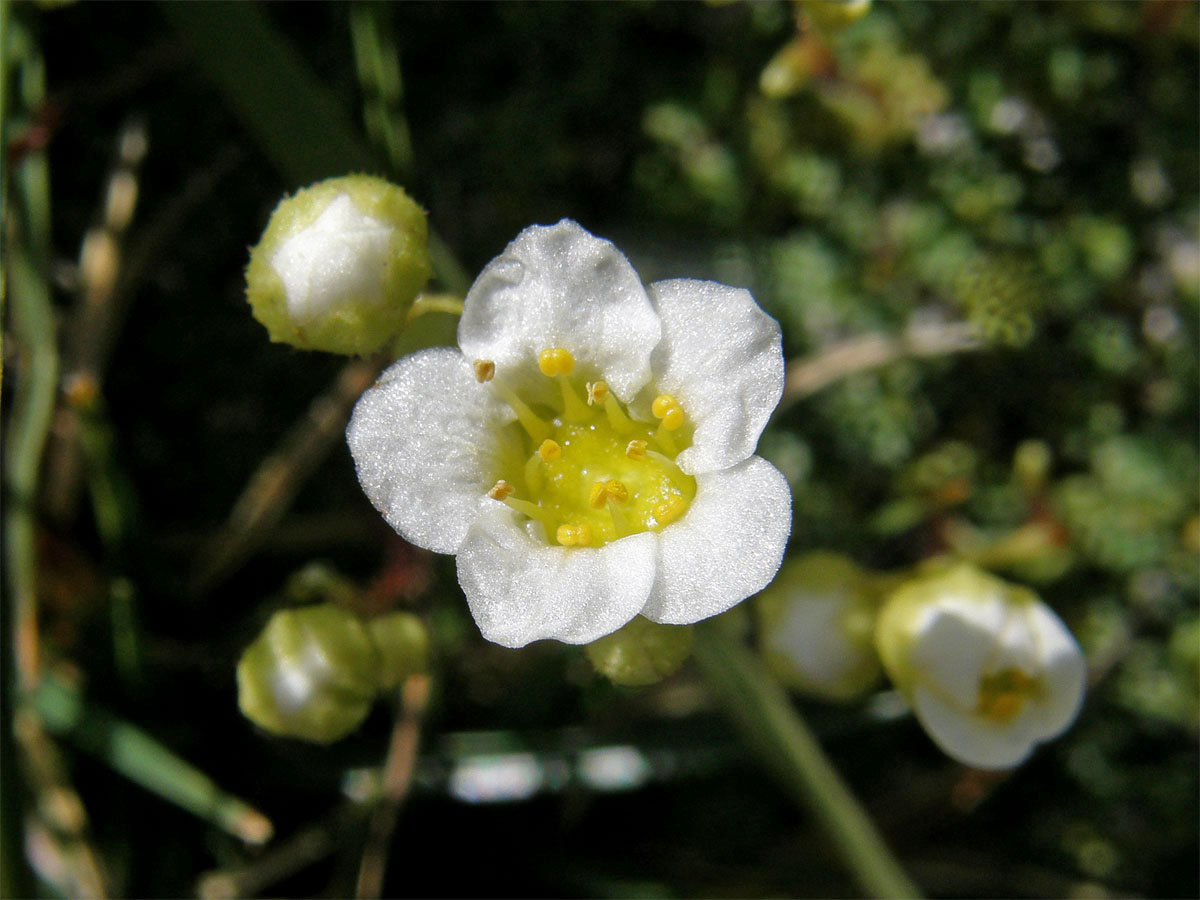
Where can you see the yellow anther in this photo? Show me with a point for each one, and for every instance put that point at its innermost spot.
(579, 535)
(597, 392)
(663, 404)
(556, 361)
(1003, 695)
(673, 419)
(550, 450)
(500, 490)
(598, 496)
(616, 491)
(636, 449)
(667, 512)
(485, 370)
(666, 407)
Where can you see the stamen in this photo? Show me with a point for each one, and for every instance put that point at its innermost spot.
(550, 451)
(597, 392)
(667, 512)
(533, 425)
(603, 492)
(534, 468)
(529, 509)
(636, 450)
(1003, 695)
(500, 490)
(617, 492)
(663, 436)
(661, 459)
(666, 407)
(579, 535)
(620, 522)
(617, 419)
(485, 370)
(556, 361)
(573, 408)
(598, 496)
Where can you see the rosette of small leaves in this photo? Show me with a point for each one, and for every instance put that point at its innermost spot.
(999, 294)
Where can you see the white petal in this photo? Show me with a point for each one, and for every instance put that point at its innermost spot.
(727, 546)
(422, 440)
(971, 739)
(521, 589)
(722, 359)
(1063, 675)
(951, 651)
(337, 259)
(560, 286)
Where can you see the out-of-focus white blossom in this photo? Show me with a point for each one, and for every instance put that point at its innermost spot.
(989, 669)
(817, 626)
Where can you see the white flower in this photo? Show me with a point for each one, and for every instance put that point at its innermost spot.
(989, 669)
(588, 455)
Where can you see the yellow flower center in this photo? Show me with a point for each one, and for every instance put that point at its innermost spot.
(583, 468)
(1003, 695)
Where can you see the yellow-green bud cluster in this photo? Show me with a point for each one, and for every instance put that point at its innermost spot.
(339, 265)
(314, 672)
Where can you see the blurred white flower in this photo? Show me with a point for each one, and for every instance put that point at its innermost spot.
(588, 454)
(989, 669)
(817, 626)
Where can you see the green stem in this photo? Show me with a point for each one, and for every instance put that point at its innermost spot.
(772, 727)
(141, 758)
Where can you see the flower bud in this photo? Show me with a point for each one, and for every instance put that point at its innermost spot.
(403, 645)
(989, 669)
(312, 673)
(642, 652)
(816, 626)
(339, 265)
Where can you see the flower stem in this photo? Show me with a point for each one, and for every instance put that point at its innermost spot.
(435, 303)
(773, 728)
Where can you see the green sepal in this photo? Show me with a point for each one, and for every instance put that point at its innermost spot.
(642, 652)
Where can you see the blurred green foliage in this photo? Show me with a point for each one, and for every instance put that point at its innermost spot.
(1030, 169)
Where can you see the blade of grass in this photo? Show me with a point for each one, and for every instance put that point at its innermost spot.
(294, 117)
(378, 63)
(774, 730)
(136, 755)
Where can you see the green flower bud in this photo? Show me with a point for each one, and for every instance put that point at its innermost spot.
(339, 265)
(403, 645)
(312, 673)
(642, 652)
(817, 624)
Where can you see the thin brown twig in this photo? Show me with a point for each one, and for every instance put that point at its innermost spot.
(397, 779)
(283, 860)
(813, 373)
(96, 319)
(270, 491)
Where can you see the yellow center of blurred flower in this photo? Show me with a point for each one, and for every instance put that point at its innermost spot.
(588, 472)
(1003, 695)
